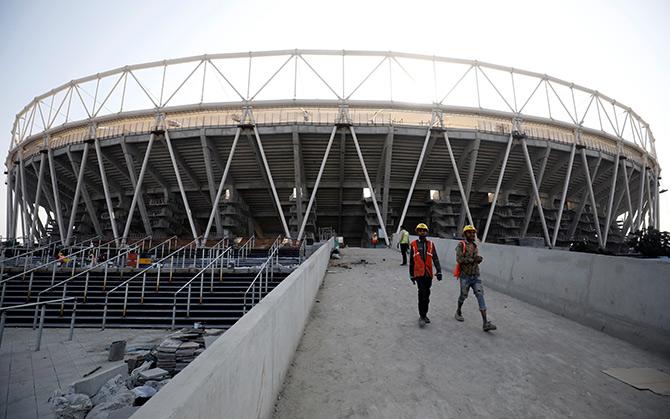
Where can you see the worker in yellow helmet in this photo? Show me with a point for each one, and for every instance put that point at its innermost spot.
(403, 244)
(424, 256)
(467, 271)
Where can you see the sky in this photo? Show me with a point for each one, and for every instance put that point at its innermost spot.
(616, 47)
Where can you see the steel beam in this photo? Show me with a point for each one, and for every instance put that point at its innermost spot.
(10, 201)
(531, 203)
(77, 193)
(210, 180)
(297, 175)
(138, 186)
(388, 164)
(582, 202)
(643, 171)
(272, 185)
(316, 184)
(219, 192)
(367, 180)
(38, 192)
(56, 194)
(175, 166)
(105, 188)
(340, 186)
(24, 199)
(566, 184)
(416, 174)
(88, 203)
(132, 176)
(495, 195)
(464, 199)
(474, 151)
(594, 207)
(610, 203)
(536, 191)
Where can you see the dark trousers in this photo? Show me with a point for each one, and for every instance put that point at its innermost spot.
(404, 248)
(423, 284)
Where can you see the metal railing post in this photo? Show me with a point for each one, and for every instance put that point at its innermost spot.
(39, 331)
(104, 313)
(188, 301)
(74, 313)
(3, 319)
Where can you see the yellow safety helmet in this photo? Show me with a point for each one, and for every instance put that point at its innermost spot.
(421, 226)
(469, 228)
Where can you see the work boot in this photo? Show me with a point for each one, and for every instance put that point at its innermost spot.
(427, 319)
(422, 322)
(458, 316)
(488, 326)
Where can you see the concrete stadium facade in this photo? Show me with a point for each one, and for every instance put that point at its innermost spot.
(292, 142)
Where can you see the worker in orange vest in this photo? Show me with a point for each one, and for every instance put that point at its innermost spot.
(424, 257)
(467, 272)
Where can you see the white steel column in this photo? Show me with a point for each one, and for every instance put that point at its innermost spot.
(643, 170)
(38, 193)
(566, 183)
(180, 183)
(367, 180)
(416, 173)
(24, 201)
(54, 187)
(17, 193)
(536, 192)
(269, 174)
(221, 184)
(77, 192)
(454, 166)
(594, 208)
(495, 195)
(10, 199)
(316, 184)
(608, 216)
(627, 189)
(138, 188)
(105, 188)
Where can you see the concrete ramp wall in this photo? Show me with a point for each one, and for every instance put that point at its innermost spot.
(625, 297)
(240, 375)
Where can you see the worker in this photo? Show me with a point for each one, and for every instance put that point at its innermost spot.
(374, 239)
(424, 257)
(467, 272)
(403, 244)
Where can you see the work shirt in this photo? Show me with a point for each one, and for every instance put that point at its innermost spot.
(421, 244)
(466, 258)
(404, 237)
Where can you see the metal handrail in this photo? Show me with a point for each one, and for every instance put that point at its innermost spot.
(244, 249)
(143, 273)
(25, 266)
(54, 263)
(4, 310)
(162, 244)
(218, 260)
(265, 270)
(132, 248)
(276, 243)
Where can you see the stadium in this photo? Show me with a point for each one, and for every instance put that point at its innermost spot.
(303, 142)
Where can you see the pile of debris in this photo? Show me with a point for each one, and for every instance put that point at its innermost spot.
(179, 349)
(122, 389)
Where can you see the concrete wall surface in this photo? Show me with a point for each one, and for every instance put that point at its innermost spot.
(241, 374)
(628, 298)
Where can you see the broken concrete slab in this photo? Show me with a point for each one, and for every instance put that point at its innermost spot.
(154, 374)
(123, 413)
(118, 401)
(91, 384)
(110, 389)
(71, 405)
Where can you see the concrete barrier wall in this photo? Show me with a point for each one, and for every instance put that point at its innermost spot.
(240, 375)
(626, 297)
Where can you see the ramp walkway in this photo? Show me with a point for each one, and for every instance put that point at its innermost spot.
(363, 355)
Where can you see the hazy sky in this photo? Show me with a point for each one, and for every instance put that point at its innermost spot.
(617, 47)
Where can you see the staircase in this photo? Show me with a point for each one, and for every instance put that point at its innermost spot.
(221, 306)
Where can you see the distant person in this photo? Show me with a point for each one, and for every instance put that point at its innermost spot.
(424, 257)
(467, 271)
(403, 244)
(374, 239)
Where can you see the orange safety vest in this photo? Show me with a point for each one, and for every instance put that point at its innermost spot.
(457, 268)
(421, 267)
